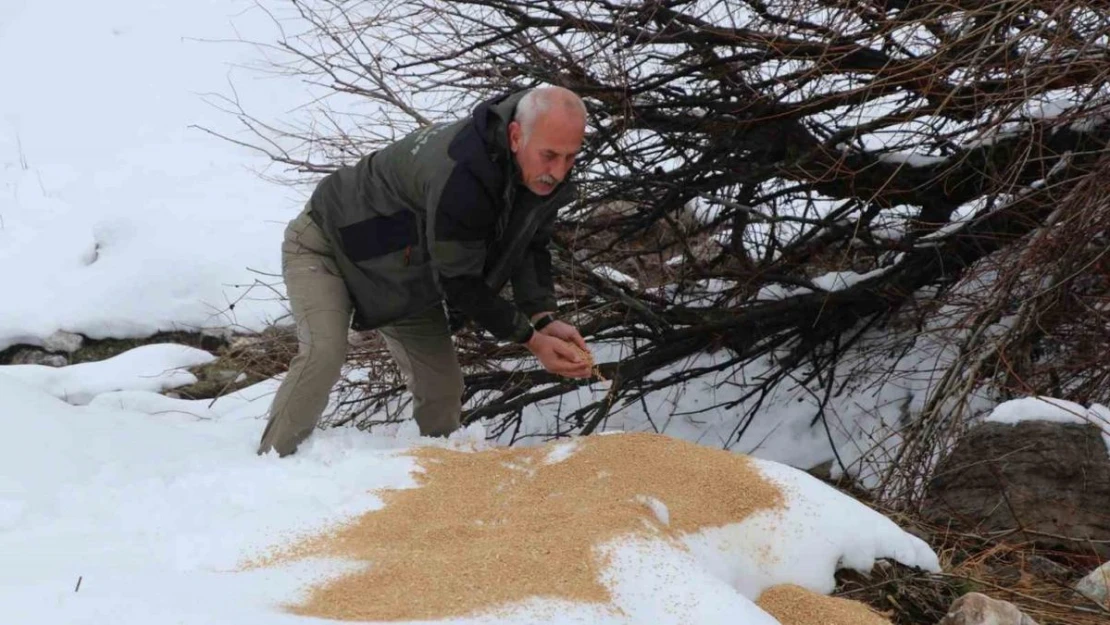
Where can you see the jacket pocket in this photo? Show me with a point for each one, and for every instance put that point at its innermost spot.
(391, 275)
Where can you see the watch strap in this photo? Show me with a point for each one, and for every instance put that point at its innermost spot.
(544, 321)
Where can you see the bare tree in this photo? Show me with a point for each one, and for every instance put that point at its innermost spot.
(803, 184)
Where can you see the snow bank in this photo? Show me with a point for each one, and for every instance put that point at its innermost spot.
(821, 531)
(153, 513)
(156, 367)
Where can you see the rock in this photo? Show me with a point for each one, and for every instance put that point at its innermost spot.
(38, 357)
(225, 335)
(1044, 568)
(222, 376)
(1096, 586)
(247, 344)
(978, 609)
(62, 341)
(1049, 481)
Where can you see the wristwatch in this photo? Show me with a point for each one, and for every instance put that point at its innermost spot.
(544, 321)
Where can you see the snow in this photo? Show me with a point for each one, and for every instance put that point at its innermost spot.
(991, 136)
(912, 160)
(774, 292)
(820, 530)
(658, 508)
(1050, 107)
(155, 367)
(616, 276)
(831, 281)
(118, 217)
(889, 230)
(1090, 122)
(933, 238)
(839, 280)
(1054, 411)
(135, 500)
(560, 452)
(137, 505)
(658, 583)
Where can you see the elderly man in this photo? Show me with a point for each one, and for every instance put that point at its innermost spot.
(438, 222)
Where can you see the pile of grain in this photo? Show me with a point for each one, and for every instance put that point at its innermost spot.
(492, 528)
(794, 605)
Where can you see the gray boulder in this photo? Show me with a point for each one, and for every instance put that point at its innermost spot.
(1048, 481)
(62, 341)
(38, 357)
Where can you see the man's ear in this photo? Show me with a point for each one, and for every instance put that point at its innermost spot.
(515, 133)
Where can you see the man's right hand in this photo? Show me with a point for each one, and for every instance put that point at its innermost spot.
(558, 356)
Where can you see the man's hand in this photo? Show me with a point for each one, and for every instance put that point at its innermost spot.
(557, 356)
(565, 331)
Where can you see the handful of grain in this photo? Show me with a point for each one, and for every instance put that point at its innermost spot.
(589, 358)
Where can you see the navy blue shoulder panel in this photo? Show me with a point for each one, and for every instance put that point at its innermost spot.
(469, 149)
(465, 212)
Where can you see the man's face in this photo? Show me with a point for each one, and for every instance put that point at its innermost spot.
(547, 156)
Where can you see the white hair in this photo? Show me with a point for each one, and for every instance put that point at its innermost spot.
(539, 101)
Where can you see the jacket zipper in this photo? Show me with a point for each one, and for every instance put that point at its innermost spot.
(496, 281)
(503, 219)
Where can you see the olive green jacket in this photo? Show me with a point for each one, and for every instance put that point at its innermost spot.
(441, 215)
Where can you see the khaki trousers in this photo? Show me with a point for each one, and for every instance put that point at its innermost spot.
(321, 305)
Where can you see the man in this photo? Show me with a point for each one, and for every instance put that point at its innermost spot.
(447, 215)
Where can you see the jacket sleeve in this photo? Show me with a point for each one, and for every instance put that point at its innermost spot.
(533, 285)
(459, 222)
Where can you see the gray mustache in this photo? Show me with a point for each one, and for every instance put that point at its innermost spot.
(550, 180)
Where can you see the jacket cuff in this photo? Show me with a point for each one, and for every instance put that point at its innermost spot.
(531, 307)
(523, 333)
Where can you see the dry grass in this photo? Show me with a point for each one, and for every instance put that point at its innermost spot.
(243, 361)
(1038, 582)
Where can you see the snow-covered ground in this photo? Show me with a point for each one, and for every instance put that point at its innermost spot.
(137, 508)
